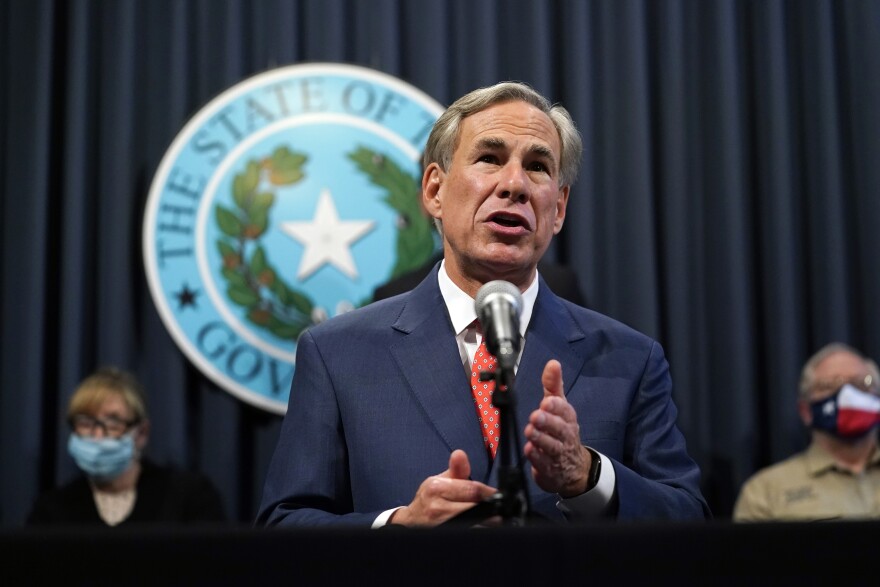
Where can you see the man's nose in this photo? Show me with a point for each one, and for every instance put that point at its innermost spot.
(514, 182)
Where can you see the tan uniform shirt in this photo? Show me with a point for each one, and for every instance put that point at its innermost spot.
(809, 487)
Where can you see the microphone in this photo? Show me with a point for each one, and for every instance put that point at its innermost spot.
(498, 305)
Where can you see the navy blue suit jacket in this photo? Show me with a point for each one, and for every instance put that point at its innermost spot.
(380, 399)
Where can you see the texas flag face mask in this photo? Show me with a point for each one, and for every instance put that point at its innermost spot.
(849, 413)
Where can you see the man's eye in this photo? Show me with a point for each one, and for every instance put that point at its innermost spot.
(538, 166)
(487, 159)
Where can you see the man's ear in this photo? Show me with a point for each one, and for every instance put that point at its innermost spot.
(804, 412)
(432, 181)
(561, 206)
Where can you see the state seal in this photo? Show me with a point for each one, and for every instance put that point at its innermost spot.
(281, 203)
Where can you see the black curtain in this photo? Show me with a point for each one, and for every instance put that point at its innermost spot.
(727, 203)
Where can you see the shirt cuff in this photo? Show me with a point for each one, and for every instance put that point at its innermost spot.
(382, 520)
(592, 503)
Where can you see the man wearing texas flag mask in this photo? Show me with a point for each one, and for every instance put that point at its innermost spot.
(838, 475)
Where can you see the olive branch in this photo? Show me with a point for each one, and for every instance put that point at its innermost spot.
(415, 237)
(252, 282)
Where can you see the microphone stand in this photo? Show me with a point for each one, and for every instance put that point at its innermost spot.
(498, 305)
(512, 497)
(511, 502)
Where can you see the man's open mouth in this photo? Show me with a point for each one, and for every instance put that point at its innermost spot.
(509, 220)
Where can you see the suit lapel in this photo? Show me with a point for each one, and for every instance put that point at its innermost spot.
(550, 335)
(429, 359)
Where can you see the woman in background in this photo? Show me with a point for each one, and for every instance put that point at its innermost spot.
(119, 487)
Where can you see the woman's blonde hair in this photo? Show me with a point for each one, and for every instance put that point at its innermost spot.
(101, 384)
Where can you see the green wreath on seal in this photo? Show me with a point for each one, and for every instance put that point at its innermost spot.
(415, 231)
(254, 283)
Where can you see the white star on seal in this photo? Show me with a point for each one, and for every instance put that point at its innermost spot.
(326, 238)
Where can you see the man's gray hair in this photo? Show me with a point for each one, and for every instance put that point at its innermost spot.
(446, 132)
(808, 373)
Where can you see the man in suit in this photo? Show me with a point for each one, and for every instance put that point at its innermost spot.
(382, 426)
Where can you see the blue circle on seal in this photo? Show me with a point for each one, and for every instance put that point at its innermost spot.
(283, 202)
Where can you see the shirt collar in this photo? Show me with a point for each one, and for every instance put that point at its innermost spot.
(819, 460)
(461, 306)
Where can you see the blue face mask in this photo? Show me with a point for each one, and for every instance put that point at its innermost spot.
(101, 459)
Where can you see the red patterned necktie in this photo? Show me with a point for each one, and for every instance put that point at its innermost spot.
(482, 391)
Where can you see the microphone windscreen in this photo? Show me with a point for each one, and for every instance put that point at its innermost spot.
(498, 287)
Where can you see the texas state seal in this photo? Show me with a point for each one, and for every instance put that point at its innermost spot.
(283, 202)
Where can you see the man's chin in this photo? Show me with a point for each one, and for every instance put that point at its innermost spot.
(513, 266)
(512, 256)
